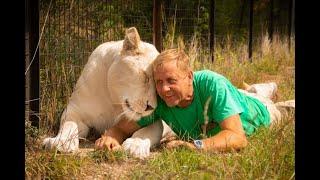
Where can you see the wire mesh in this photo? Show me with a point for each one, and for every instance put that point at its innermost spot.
(74, 28)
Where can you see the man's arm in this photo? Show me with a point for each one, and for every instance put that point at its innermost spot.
(231, 136)
(114, 137)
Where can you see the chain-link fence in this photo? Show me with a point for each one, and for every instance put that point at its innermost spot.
(231, 19)
(72, 29)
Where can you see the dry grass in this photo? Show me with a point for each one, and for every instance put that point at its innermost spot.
(270, 154)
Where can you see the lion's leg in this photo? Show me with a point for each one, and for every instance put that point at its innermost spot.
(71, 129)
(142, 140)
(275, 114)
(168, 134)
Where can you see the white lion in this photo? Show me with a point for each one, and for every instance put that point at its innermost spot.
(115, 82)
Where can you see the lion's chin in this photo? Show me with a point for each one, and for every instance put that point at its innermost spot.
(134, 116)
(131, 114)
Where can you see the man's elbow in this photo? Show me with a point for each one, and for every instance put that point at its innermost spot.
(243, 142)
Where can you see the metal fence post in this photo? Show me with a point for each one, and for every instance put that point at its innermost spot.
(32, 56)
(271, 20)
(290, 20)
(250, 29)
(211, 29)
(157, 24)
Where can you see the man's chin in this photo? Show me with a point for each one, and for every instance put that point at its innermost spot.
(170, 101)
(171, 104)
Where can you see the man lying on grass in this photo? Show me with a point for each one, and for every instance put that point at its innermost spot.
(203, 108)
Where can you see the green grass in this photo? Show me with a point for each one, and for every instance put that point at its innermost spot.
(100, 156)
(269, 155)
(51, 165)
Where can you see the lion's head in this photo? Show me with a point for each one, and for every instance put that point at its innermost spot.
(130, 80)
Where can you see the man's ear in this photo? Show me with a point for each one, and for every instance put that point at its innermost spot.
(131, 41)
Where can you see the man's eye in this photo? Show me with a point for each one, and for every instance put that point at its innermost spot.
(172, 81)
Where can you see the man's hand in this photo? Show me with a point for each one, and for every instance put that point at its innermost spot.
(107, 142)
(179, 143)
(114, 137)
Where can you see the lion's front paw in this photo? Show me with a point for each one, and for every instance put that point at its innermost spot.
(137, 147)
(61, 144)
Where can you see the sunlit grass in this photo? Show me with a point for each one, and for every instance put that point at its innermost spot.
(269, 155)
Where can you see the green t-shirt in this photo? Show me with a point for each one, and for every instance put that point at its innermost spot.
(225, 101)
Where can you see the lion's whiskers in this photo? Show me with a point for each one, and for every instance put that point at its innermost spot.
(121, 114)
(131, 117)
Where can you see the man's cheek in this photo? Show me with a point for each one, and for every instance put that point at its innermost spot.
(159, 92)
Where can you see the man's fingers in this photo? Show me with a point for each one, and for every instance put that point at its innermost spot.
(97, 143)
(172, 144)
(108, 143)
(177, 143)
(116, 147)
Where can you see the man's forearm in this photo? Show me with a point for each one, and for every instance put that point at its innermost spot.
(122, 130)
(224, 141)
(117, 134)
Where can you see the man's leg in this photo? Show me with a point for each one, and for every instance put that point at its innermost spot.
(265, 92)
(286, 107)
(275, 114)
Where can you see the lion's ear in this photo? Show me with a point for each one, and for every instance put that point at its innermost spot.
(131, 41)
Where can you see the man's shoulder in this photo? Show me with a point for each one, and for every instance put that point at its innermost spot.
(208, 75)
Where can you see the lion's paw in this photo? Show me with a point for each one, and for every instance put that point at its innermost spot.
(137, 147)
(61, 144)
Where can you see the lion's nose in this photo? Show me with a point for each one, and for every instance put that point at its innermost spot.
(149, 108)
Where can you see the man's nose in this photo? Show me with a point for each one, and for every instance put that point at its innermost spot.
(165, 88)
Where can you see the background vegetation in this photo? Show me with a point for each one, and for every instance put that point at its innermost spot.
(74, 28)
(270, 154)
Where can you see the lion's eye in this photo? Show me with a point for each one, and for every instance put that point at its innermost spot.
(146, 77)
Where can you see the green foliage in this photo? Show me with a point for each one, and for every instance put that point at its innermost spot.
(50, 165)
(31, 134)
(269, 155)
(68, 41)
(100, 156)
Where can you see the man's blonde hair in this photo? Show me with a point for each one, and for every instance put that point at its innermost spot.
(178, 55)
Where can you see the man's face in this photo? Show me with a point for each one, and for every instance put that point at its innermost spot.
(173, 85)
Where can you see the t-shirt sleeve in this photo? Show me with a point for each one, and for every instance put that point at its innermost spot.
(224, 102)
(147, 120)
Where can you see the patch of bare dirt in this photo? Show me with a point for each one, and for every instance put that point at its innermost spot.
(121, 169)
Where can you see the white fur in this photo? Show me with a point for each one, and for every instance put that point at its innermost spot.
(114, 75)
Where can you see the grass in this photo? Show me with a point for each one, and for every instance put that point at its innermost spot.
(100, 156)
(269, 155)
(51, 165)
